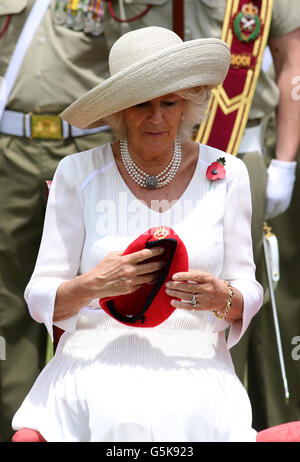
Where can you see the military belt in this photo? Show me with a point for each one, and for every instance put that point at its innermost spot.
(42, 126)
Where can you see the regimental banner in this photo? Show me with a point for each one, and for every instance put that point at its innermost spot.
(245, 29)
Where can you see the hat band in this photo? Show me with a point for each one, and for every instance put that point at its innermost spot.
(130, 319)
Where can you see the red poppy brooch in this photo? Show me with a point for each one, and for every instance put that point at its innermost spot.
(216, 170)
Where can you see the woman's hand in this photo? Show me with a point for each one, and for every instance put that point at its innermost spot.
(210, 293)
(119, 274)
(116, 274)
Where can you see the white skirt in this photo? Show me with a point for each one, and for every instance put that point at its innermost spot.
(113, 383)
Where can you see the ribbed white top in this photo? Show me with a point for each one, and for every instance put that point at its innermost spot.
(91, 212)
(111, 382)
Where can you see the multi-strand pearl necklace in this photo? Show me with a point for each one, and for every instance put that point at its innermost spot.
(151, 181)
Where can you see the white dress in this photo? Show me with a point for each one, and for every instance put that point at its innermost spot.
(111, 382)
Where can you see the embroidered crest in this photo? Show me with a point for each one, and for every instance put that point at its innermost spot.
(161, 233)
(247, 25)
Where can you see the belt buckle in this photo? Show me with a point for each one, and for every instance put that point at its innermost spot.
(46, 126)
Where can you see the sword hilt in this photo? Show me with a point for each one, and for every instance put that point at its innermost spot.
(267, 230)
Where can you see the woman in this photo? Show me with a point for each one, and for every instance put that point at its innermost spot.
(109, 381)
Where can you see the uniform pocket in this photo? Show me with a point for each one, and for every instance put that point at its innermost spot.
(215, 8)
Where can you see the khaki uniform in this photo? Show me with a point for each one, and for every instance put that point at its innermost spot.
(204, 18)
(287, 229)
(59, 66)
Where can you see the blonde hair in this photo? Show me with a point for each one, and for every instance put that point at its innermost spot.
(196, 100)
(195, 104)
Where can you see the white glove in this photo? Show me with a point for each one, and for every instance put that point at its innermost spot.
(280, 187)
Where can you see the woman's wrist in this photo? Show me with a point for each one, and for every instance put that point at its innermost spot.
(89, 286)
(233, 305)
(74, 294)
(228, 303)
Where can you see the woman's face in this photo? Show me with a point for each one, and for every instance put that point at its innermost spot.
(152, 126)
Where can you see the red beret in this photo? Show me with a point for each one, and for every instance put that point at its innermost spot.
(150, 305)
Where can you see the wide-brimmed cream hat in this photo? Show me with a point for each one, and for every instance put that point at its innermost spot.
(148, 63)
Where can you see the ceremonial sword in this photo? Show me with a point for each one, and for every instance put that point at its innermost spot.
(268, 257)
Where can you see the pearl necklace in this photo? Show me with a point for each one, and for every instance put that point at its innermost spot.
(151, 181)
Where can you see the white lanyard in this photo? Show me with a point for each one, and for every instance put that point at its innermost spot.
(30, 27)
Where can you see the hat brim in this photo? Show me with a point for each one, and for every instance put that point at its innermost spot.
(185, 65)
(149, 306)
